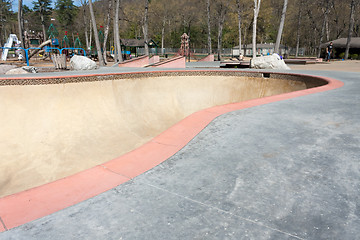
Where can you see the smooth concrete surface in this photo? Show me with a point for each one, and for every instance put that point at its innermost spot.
(175, 62)
(154, 59)
(135, 62)
(56, 130)
(285, 170)
(209, 58)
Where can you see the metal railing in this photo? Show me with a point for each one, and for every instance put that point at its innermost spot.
(26, 50)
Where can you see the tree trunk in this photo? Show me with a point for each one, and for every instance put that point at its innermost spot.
(43, 23)
(298, 29)
(256, 13)
(281, 27)
(221, 19)
(323, 27)
(209, 26)
(90, 34)
(21, 24)
(106, 31)
(327, 30)
(220, 32)
(146, 27)
(118, 55)
(351, 28)
(245, 33)
(96, 36)
(87, 42)
(163, 36)
(239, 23)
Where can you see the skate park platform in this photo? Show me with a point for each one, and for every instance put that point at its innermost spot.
(279, 168)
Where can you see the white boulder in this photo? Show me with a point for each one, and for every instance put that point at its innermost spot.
(269, 62)
(82, 63)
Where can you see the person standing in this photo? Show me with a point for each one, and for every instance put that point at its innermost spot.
(329, 49)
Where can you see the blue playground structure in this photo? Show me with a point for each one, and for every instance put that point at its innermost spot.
(47, 49)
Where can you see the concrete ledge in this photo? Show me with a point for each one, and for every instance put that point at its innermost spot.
(303, 61)
(136, 62)
(154, 59)
(176, 62)
(208, 58)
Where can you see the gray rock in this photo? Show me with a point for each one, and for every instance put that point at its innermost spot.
(269, 62)
(82, 63)
(17, 71)
(30, 69)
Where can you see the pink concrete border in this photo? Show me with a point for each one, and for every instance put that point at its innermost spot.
(135, 62)
(208, 58)
(176, 62)
(26, 206)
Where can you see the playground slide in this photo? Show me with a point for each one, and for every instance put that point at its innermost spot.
(12, 38)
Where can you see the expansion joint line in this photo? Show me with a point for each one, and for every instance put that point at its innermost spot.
(164, 144)
(226, 212)
(108, 169)
(3, 224)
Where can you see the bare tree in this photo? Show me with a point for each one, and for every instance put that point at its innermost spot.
(222, 8)
(163, 14)
(239, 23)
(146, 27)
(107, 27)
(118, 54)
(163, 36)
(209, 26)
(326, 13)
(21, 23)
(301, 3)
(90, 33)
(351, 28)
(256, 14)
(87, 42)
(281, 27)
(42, 17)
(96, 36)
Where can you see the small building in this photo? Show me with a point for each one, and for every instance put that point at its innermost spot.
(137, 46)
(339, 47)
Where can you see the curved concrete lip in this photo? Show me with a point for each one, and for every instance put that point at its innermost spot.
(35, 203)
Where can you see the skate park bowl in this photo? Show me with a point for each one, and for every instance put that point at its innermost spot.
(58, 129)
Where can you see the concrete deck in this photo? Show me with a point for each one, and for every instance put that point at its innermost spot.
(283, 170)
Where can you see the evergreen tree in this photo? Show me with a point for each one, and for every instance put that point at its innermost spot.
(43, 8)
(5, 15)
(66, 12)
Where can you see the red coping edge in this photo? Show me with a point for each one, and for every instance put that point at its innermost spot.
(26, 206)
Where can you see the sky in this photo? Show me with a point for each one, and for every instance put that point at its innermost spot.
(30, 5)
(25, 2)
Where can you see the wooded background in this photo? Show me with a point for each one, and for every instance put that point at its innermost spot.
(307, 23)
